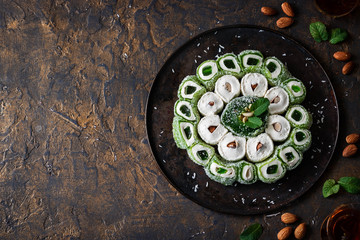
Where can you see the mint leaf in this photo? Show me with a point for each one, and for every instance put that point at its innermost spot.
(330, 187)
(253, 232)
(262, 108)
(318, 31)
(350, 184)
(253, 122)
(338, 35)
(258, 103)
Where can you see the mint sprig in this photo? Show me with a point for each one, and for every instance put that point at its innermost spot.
(330, 187)
(318, 31)
(338, 35)
(262, 107)
(349, 184)
(253, 232)
(253, 122)
(258, 107)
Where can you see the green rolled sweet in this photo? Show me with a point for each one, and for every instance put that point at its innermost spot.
(228, 63)
(256, 69)
(247, 173)
(201, 153)
(301, 139)
(207, 72)
(299, 117)
(271, 170)
(278, 71)
(250, 58)
(224, 173)
(186, 110)
(296, 90)
(184, 133)
(289, 155)
(190, 89)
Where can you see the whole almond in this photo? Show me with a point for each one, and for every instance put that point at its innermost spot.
(288, 218)
(284, 22)
(268, 11)
(342, 56)
(352, 138)
(284, 233)
(287, 9)
(348, 68)
(300, 231)
(350, 150)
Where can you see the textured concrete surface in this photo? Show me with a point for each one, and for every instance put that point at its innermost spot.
(74, 79)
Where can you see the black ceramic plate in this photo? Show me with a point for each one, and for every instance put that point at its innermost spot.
(189, 178)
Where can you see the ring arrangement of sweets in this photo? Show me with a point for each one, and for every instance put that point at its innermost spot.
(241, 118)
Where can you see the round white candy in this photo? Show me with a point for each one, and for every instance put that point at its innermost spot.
(231, 147)
(227, 87)
(279, 100)
(278, 128)
(254, 84)
(258, 148)
(210, 104)
(211, 130)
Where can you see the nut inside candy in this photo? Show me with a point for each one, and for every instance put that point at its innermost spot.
(244, 119)
(253, 86)
(258, 146)
(231, 145)
(228, 87)
(212, 128)
(275, 100)
(211, 103)
(248, 114)
(248, 173)
(277, 126)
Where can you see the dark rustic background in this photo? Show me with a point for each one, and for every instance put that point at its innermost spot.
(74, 80)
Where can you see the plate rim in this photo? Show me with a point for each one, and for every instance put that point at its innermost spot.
(169, 58)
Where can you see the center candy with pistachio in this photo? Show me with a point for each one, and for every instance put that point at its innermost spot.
(246, 116)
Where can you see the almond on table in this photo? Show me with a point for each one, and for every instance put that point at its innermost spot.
(287, 9)
(350, 150)
(342, 56)
(268, 11)
(284, 233)
(284, 22)
(300, 231)
(288, 218)
(352, 138)
(348, 67)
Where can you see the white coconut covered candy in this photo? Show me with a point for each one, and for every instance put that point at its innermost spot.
(232, 148)
(259, 148)
(254, 84)
(211, 130)
(227, 87)
(278, 128)
(279, 100)
(210, 104)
